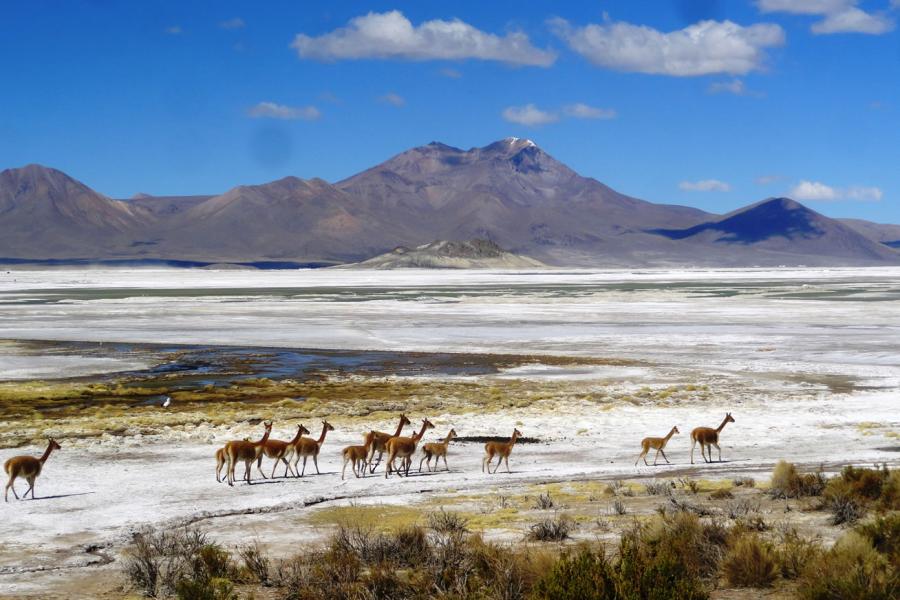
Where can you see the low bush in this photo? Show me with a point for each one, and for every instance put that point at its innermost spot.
(555, 529)
(256, 562)
(788, 483)
(795, 553)
(156, 562)
(750, 562)
(722, 494)
(851, 569)
(447, 522)
(544, 502)
(659, 488)
(582, 575)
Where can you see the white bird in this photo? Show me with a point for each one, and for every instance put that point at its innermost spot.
(167, 402)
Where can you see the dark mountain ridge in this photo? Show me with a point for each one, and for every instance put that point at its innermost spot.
(509, 192)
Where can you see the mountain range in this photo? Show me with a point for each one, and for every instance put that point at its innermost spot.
(510, 192)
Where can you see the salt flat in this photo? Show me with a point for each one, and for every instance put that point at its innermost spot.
(807, 361)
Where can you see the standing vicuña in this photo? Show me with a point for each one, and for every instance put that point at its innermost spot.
(501, 450)
(307, 447)
(247, 452)
(221, 459)
(27, 467)
(436, 450)
(279, 450)
(657, 444)
(358, 455)
(377, 442)
(708, 437)
(404, 448)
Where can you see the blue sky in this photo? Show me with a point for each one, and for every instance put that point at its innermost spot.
(711, 104)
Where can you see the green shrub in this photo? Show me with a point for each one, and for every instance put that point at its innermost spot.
(584, 575)
(884, 535)
(205, 589)
(750, 563)
(851, 569)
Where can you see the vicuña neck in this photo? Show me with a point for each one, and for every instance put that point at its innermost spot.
(418, 436)
(671, 433)
(399, 427)
(324, 431)
(265, 437)
(47, 452)
(722, 426)
(296, 437)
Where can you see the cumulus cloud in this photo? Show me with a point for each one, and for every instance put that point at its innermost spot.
(583, 111)
(393, 99)
(450, 73)
(816, 191)
(271, 110)
(174, 30)
(735, 86)
(391, 35)
(529, 115)
(235, 23)
(704, 48)
(704, 185)
(839, 16)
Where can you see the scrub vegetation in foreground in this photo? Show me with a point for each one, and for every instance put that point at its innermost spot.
(685, 550)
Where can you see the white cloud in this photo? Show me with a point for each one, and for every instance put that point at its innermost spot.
(529, 115)
(768, 179)
(583, 111)
(735, 86)
(450, 73)
(853, 20)
(235, 23)
(392, 35)
(817, 191)
(813, 190)
(270, 110)
(704, 185)
(840, 16)
(393, 99)
(174, 30)
(704, 48)
(864, 194)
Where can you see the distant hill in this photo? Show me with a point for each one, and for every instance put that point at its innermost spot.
(510, 192)
(888, 235)
(471, 254)
(781, 226)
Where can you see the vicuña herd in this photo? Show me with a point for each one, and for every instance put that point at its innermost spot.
(400, 451)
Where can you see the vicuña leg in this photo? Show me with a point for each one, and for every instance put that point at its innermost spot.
(664, 456)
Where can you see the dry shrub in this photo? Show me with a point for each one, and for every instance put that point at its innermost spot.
(157, 561)
(659, 488)
(851, 569)
(743, 482)
(795, 553)
(447, 522)
(788, 483)
(544, 502)
(750, 563)
(256, 562)
(722, 494)
(554, 529)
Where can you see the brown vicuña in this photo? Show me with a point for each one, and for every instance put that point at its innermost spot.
(358, 456)
(245, 452)
(280, 451)
(436, 450)
(306, 447)
(377, 442)
(656, 443)
(27, 467)
(221, 460)
(404, 448)
(708, 437)
(500, 449)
